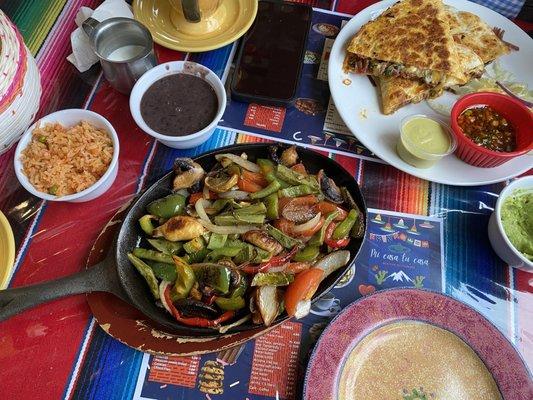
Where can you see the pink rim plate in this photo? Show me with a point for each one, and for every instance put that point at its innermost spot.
(369, 313)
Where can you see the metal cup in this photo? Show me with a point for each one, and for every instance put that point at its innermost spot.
(125, 49)
(196, 10)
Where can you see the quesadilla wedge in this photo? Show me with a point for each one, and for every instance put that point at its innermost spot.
(471, 31)
(411, 39)
(396, 92)
(470, 66)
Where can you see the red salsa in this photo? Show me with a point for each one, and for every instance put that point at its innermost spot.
(487, 128)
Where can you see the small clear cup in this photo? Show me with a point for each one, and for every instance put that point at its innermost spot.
(414, 153)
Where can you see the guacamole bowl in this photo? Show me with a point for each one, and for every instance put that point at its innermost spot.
(510, 224)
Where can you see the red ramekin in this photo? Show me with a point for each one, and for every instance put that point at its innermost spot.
(512, 110)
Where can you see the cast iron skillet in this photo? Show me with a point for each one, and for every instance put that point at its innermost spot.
(117, 276)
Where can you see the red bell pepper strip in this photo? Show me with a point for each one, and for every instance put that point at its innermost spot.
(196, 321)
(275, 261)
(210, 299)
(335, 244)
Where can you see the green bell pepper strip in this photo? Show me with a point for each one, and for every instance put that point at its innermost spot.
(272, 187)
(285, 240)
(236, 243)
(194, 245)
(245, 255)
(343, 228)
(251, 254)
(265, 165)
(152, 255)
(297, 191)
(230, 304)
(216, 241)
(260, 255)
(222, 252)
(163, 271)
(166, 246)
(271, 177)
(219, 204)
(271, 203)
(258, 208)
(295, 178)
(147, 273)
(308, 253)
(272, 279)
(240, 219)
(146, 223)
(215, 276)
(197, 257)
(358, 229)
(168, 206)
(335, 244)
(185, 279)
(318, 238)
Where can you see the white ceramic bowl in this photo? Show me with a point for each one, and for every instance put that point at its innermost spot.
(69, 118)
(498, 239)
(171, 68)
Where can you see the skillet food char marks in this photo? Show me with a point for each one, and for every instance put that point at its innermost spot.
(416, 49)
(471, 31)
(251, 259)
(410, 39)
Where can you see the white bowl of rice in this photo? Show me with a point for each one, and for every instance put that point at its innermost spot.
(69, 155)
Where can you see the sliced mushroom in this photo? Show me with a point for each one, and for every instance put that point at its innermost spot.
(273, 150)
(263, 240)
(220, 181)
(298, 213)
(348, 199)
(228, 262)
(289, 157)
(268, 303)
(329, 188)
(179, 228)
(188, 173)
(195, 308)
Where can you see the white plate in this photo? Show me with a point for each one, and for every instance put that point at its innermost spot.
(379, 132)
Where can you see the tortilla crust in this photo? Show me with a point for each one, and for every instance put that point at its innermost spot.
(412, 32)
(471, 31)
(471, 66)
(397, 92)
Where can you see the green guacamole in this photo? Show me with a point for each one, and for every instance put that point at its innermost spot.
(517, 220)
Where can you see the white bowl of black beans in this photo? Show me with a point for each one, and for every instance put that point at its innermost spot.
(179, 103)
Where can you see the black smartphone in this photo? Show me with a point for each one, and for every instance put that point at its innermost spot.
(270, 59)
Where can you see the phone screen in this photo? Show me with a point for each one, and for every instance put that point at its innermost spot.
(272, 52)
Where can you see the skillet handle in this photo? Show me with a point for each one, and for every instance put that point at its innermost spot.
(99, 278)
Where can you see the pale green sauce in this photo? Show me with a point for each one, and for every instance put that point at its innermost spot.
(423, 142)
(427, 135)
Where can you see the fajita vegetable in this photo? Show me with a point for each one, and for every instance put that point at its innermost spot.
(237, 242)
